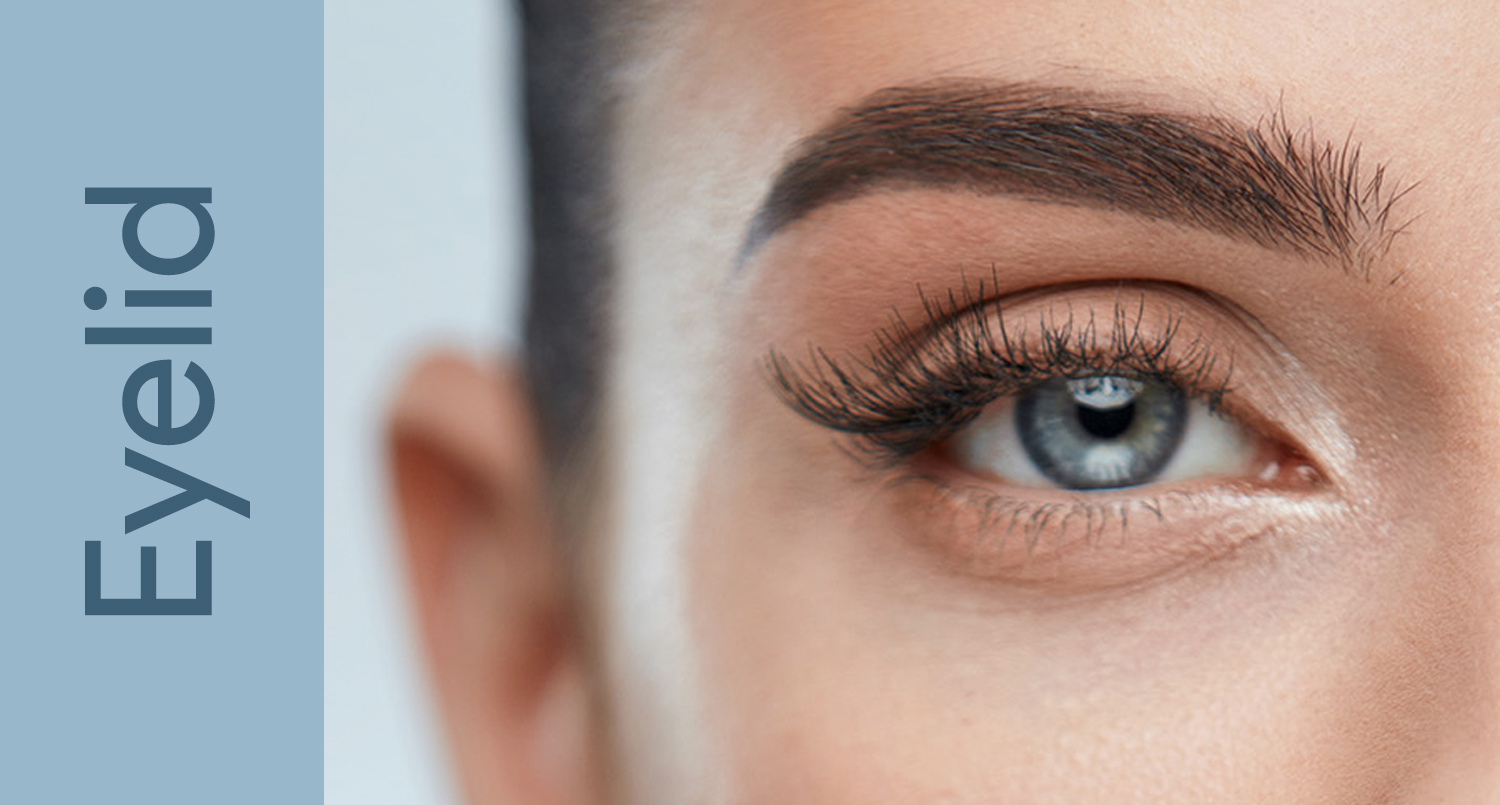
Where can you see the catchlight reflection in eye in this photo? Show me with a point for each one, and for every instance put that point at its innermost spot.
(1102, 432)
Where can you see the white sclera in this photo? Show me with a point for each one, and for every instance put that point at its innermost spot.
(1211, 445)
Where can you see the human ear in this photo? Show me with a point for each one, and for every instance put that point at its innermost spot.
(487, 581)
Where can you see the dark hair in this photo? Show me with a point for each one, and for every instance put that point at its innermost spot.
(567, 109)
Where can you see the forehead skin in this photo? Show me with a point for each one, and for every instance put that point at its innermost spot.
(749, 668)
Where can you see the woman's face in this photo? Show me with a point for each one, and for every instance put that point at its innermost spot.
(1109, 416)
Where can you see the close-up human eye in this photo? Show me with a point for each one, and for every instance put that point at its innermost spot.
(1057, 414)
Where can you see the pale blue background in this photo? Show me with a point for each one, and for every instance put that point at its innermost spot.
(423, 244)
(423, 248)
(167, 710)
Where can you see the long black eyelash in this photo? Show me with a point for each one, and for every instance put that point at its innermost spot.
(918, 385)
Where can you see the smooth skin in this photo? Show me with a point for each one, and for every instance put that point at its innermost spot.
(741, 612)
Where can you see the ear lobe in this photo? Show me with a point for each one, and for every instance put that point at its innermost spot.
(486, 580)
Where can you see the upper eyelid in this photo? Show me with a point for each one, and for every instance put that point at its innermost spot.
(919, 383)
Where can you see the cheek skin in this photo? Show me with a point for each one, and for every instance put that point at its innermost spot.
(840, 672)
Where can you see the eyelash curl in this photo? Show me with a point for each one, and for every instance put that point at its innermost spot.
(919, 385)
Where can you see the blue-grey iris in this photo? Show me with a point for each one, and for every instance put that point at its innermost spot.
(1101, 432)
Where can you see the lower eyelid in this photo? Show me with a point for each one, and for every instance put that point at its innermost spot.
(1066, 543)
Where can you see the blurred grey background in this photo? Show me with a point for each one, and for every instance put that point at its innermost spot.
(423, 210)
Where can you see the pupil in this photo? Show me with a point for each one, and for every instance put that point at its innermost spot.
(1106, 423)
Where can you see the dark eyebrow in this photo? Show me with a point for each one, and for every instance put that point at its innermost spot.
(1263, 182)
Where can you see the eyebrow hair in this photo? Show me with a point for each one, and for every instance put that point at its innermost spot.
(1262, 182)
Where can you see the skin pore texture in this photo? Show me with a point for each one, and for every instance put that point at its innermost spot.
(765, 613)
